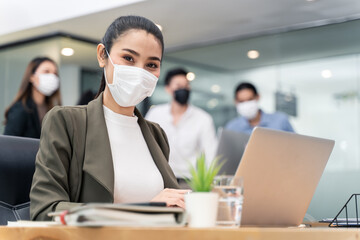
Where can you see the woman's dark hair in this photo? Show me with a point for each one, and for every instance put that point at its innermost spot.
(120, 26)
(174, 72)
(86, 97)
(25, 90)
(246, 85)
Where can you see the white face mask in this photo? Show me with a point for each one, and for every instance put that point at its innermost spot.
(48, 83)
(248, 109)
(130, 84)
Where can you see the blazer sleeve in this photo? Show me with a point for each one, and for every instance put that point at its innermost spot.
(16, 120)
(50, 184)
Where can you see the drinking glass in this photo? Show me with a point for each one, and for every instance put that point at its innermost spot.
(230, 190)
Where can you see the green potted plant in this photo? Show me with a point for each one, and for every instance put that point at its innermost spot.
(201, 203)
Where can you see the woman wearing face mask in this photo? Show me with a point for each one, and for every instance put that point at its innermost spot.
(38, 93)
(106, 151)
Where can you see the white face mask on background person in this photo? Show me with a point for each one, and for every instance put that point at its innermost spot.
(248, 109)
(48, 83)
(130, 84)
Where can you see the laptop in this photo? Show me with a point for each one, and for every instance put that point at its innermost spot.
(231, 148)
(281, 171)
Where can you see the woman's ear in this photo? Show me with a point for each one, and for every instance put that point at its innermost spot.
(101, 57)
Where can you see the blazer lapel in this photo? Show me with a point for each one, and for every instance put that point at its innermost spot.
(157, 154)
(98, 159)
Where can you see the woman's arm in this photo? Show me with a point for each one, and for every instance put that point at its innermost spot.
(16, 120)
(50, 184)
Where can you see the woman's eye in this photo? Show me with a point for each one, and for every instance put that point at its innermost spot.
(152, 65)
(128, 58)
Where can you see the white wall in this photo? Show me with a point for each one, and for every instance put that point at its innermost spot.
(70, 84)
(29, 14)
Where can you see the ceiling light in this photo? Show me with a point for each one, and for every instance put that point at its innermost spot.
(159, 26)
(215, 88)
(212, 103)
(253, 54)
(326, 73)
(67, 51)
(190, 76)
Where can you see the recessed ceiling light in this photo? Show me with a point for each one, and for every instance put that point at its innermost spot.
(215, 88)
(253, 54)
(67, 51)
(159, 26)
(190, 76)
(310, 0)
(212, 103)
(326, 73)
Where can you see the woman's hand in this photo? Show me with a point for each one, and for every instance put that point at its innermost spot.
(172, 197)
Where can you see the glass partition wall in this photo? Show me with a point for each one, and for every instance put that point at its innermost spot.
(14, 59)
(318, 67)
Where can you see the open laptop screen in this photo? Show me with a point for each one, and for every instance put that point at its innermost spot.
(281, 171)
(231, 148)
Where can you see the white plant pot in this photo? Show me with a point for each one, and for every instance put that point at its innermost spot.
(201, 208)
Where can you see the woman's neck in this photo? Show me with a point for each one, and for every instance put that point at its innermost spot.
(38, 97)
(110, 103)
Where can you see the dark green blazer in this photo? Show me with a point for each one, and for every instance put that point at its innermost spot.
(74, 163)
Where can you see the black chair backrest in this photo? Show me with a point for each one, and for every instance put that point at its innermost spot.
(17, 166)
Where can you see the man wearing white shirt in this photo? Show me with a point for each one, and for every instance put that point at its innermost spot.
(190, 130)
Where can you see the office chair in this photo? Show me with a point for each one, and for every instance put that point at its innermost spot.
(17, 166)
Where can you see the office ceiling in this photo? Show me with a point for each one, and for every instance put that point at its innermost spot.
(191, 23)
(216, 35)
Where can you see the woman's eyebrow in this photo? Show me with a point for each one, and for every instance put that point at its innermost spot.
(131, 51)
(155, 58)
(137, 54)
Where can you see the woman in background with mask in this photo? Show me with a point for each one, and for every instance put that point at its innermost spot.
(106, 151)
(38, 93)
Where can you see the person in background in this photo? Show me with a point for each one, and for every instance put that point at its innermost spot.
(38, 93)
(190, 130)
(247, 105)
(106, 151)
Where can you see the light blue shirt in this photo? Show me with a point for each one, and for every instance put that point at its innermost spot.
(277, 121)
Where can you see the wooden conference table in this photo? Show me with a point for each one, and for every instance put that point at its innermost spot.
(183, 233)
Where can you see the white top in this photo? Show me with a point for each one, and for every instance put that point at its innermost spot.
(193, 134)
(136, 177)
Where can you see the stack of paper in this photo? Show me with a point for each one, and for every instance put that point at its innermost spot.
(121, 215)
